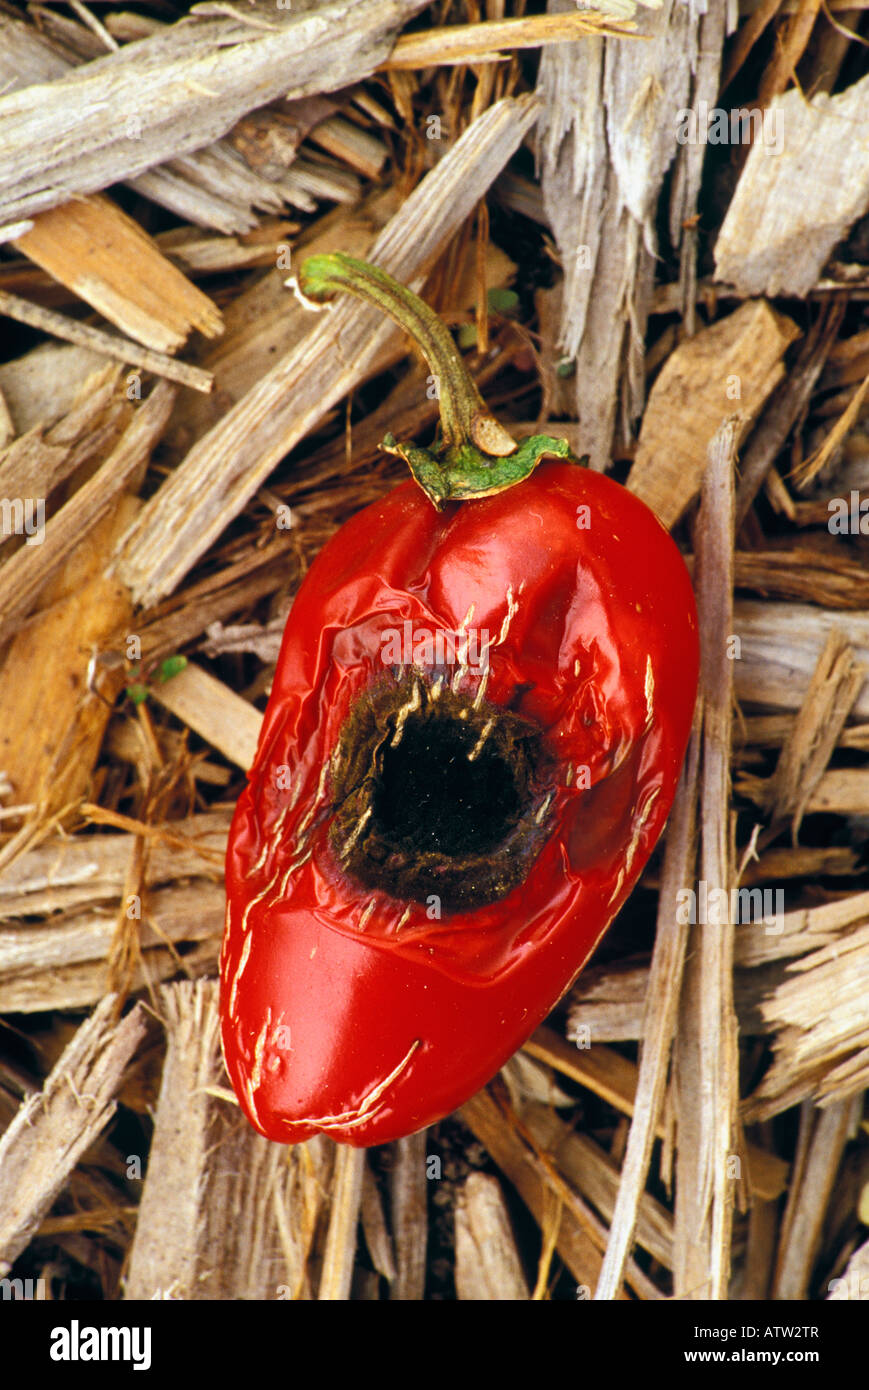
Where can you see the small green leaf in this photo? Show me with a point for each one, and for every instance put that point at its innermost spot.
(138, 693)
(171, 667)
(467, 335)
(503, 301)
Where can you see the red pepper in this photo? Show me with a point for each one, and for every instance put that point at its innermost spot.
(434, 838)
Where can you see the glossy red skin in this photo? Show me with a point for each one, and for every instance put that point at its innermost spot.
(333, 1018)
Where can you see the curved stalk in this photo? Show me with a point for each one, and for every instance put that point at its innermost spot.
(477, 456)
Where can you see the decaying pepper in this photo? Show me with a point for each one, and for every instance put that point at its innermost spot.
(476, 726)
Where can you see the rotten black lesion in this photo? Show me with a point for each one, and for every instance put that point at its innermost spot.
(438, 793)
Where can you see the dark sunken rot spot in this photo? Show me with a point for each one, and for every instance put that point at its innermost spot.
(430, 796)
(447, 795)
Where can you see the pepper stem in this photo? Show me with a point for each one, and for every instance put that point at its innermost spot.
(464, 417)
(476, 456)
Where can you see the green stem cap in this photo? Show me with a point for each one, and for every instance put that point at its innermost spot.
(475, 456)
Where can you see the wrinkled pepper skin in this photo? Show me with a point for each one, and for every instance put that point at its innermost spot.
(353, 1013)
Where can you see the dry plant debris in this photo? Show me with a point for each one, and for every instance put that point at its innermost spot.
(649, 229)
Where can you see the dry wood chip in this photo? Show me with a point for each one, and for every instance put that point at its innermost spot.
(213, 187)
(777, 646)
(51, 722)
(488, 1267)
(783, 863)
(787, 406)
(210, 186)
(276, 566)
(53, 1128)
(178, 90)
(558, 390)
(357, 148)
(575, 1247)
(44, 384)
(691, 158)
(659, 1025)
(615, 1078)
(791, 39)
(108, 344)
(594, 1174)
(224, 1213)
(608, 1005)
(762, 730)
(346, 1196)
(220, 716)
(521, 195)
(110, 262)
(823, 456)
(26, 55)
(138, 743)
(616, 1013)
(268, 139)
(38, 461)
(181, 185)
(801, 931)
(600, 1069)
(33, 957)
(65, 871)
(486, 42)
(264, 642)
(733, 365)
(225, 468)
(782, 225)
(821, 1043)
(25, 575)
(529, 1080)
(804, 574)
(410, 1217)
(706, 1076)
(207, 252)
(310, 181)
(607, 137)
(804, 757)
(754, 1279)
(844, 792)
(808, 1200)
(80, 986)
(377, 1237)
(749, 33)
(580, 1235)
